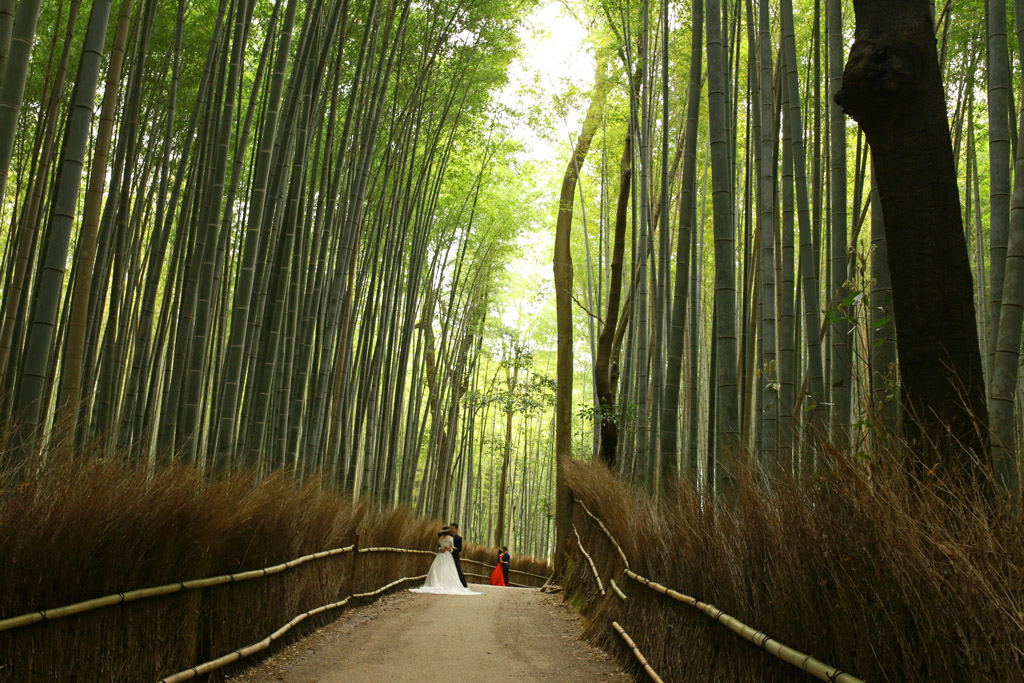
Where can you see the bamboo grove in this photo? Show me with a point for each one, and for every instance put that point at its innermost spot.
(276, 235)
(255, 235)
(742, 298)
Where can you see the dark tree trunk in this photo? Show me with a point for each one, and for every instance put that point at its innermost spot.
(892, 86)
(605, 375)
(562, 267)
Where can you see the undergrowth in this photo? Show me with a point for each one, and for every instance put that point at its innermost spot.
(80, 528)
(883, 580)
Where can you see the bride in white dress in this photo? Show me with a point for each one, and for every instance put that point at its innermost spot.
(442, 576)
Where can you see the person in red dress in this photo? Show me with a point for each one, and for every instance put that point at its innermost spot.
(498, 576)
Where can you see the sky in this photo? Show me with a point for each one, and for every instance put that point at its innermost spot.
(555, 59)
(554, 56)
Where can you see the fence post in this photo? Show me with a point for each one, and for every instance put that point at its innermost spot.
(354, 566)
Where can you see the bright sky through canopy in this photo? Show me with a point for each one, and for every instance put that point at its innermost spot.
(555, 59)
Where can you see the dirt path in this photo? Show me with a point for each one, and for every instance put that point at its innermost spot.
(504, 634)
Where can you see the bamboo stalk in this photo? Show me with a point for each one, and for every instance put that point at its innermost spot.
(536, 576)
(802, 661)
(636, 652)
(482, 564)
(607, 533)
(385, 549)
(593, 568)
(390, 585)
(166, 589)
(618, 591)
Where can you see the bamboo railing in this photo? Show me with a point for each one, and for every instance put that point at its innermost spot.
(510, 571)
(536, 576)
(212, 665)
(590, 560)
(240, 653)
(602, 527)
(166, 589)
(800, 660)
(193, 584)
(51, 614)
(388, 549)
(636, 653)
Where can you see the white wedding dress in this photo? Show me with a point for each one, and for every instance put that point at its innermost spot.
(442, 577)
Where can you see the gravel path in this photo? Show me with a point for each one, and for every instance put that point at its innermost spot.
(504, 634)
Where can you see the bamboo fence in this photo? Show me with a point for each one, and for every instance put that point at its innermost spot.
(590, 560)
(212, 665)
(388, 549)
(602, 527)
(636, 653)
(166, 589)
(240, 653)
(486, 578)
(800, 660)
(510, 571)
(536, 576)
(51, 614)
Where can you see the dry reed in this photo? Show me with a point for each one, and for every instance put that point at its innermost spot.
(885, 581)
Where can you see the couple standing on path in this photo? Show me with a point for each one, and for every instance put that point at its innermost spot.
(445, 575)
(499, 577)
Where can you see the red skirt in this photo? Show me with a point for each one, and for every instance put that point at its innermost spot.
(497, 577)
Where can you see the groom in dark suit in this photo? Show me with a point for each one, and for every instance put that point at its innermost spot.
(455, 553)
(506, 560)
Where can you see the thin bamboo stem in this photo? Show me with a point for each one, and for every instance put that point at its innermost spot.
(636, 652)
(593, 567)
(390, 585)
(607, 533)
(387, 549)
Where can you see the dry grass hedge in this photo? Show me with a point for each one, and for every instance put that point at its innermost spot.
(858, 570)
(81, 528)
